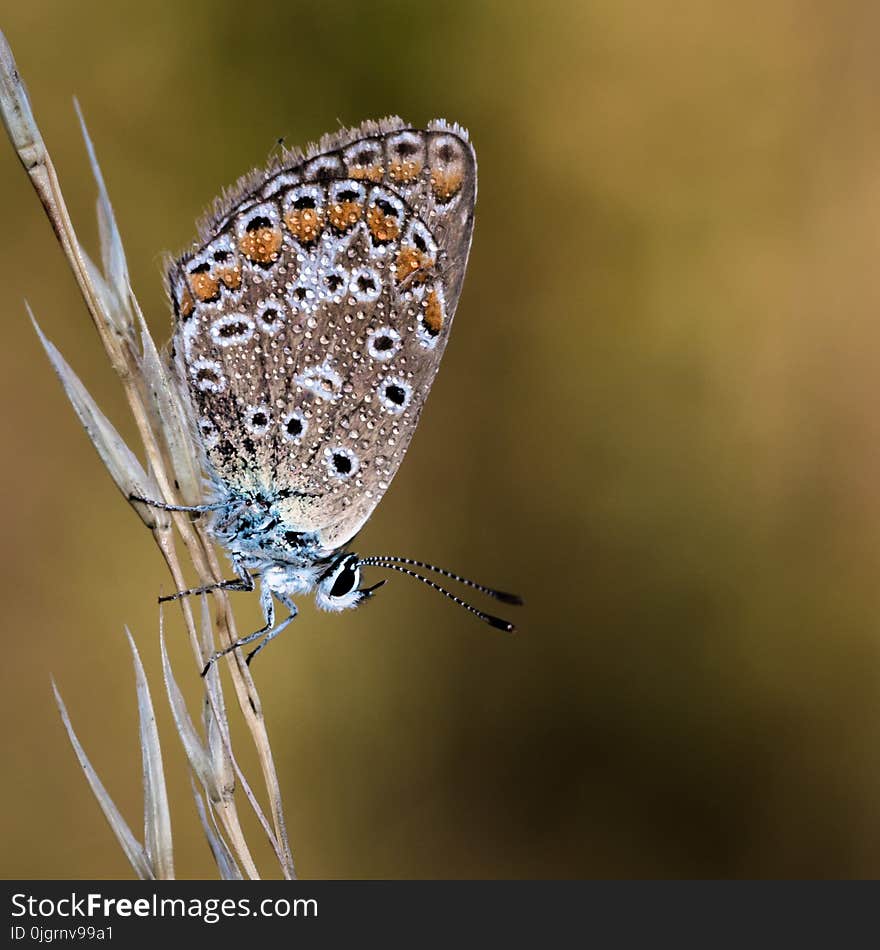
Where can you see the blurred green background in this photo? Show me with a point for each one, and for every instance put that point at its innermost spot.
(657, 419)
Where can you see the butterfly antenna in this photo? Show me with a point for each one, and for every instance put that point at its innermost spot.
(497, 622)
(490, 591)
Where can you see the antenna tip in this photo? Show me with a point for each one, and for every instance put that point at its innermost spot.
(499, 624)
(506, 598)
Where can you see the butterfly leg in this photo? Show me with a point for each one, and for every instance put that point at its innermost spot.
(268, 606)
(161, 505)
(243, 582)
(291, 606)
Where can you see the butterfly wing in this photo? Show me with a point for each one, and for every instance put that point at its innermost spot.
(311, 320)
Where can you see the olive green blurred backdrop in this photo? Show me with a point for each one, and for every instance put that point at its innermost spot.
(657, 419)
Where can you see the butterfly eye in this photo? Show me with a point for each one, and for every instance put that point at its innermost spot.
(338, 587)
(346, 580)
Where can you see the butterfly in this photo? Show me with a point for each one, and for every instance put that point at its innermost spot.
(310, 321)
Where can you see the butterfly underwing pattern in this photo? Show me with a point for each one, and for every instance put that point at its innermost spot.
(310, 320)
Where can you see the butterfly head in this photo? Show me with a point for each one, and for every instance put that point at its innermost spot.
(339, 586)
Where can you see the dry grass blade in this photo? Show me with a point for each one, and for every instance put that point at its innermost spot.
(133, 849)
(196, 753)
(226, 865)
(18, 118)
(113, 253)
(122, 464)
(214, 712)
(157, 817)
(213, 768)
(17, 115)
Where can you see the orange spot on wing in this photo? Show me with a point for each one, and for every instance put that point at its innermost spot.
(261, 245)
(384, 227)
(432, 316)
(409, 260)
(445, 184)
(305, 224)
(344, 215)
(204, 286)
(231, 277)
(369, 172)
(406, 170)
